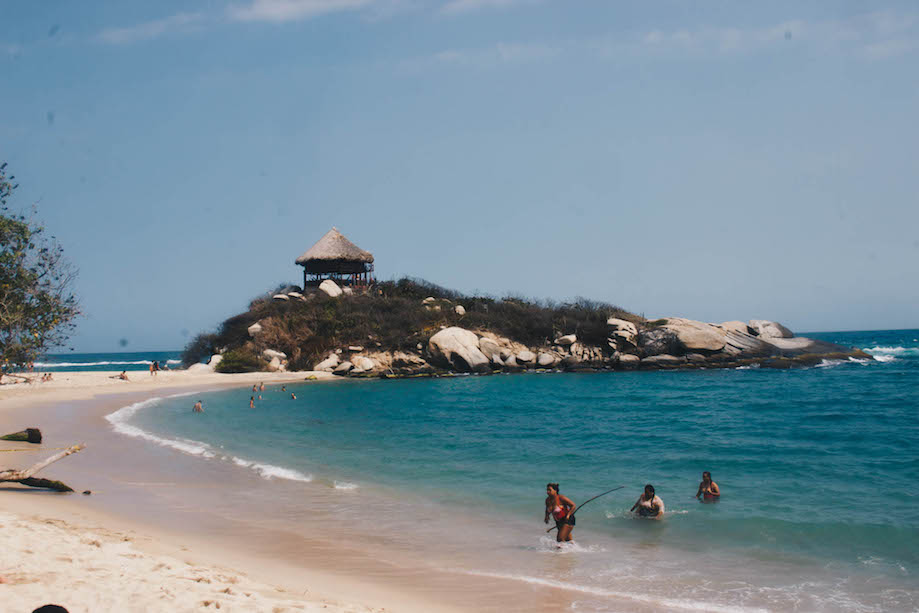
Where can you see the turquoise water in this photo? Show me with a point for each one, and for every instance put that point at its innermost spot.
(134, 360)
(820, 508)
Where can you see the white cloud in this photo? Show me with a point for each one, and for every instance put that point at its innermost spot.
(487, 57)
(292, 10)
(454, 7)
(150, 29)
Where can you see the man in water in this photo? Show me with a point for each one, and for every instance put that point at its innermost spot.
(708, 489)
(293, 396)
(198, 408)
(251, 402)
(649, 504)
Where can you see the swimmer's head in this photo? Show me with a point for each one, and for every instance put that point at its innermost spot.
(550, 487)
(706, 476)
(649, 490)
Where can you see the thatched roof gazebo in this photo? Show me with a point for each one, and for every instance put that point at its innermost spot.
(335, 257)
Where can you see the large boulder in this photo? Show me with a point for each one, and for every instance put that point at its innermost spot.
(491, 349)
(343, 368)
(460, 310)
(275, 364)
(739, 327)
(331, 288)
(737, 342)
(526, 356)
(628, 360)
(328, 364)
(696, 335)
(663, 360)
(659, 340)
(214, 360)
(624, 334)
(270, 354)
(362, 364)
(459, 349)
(769, 329)
(281, 297)
(568, 339)
(547, 360)
(255, 329)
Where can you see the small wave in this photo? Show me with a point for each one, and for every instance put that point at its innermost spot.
(662, 602)
(119, 419)
(749, 367)
(550, 545)
(103, 363)
(270, 471)
(888, 353)
(344, 485)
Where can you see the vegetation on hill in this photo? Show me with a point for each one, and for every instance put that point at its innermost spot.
(392, 317)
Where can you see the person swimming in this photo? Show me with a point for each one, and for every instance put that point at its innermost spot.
(649, 504)
(561, 509)
(251, 402)
(708, 489)
(198, 408)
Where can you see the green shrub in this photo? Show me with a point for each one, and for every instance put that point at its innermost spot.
(239, 360)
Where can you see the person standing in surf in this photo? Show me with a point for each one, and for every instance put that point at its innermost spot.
(561, 509)
(708, 489)
(649, 504)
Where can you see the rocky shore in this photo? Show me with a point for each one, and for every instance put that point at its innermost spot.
(637, 344)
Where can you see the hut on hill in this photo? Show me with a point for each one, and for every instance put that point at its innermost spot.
(335, 257)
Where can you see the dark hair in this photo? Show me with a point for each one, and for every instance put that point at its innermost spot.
(705, 472)
(50, 608)
(650, 487)
(554, 486)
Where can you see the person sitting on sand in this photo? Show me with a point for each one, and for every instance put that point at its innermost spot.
(198, 407)
(251, 402)
(123, 376)
(560, 507)
(708, 489)
(649, 504)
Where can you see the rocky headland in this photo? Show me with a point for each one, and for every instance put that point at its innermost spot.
(394, 332)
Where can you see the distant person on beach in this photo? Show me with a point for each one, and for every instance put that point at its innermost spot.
(560, 508)
(123, 376)
(198, 408)
(152, 369)
(165, 365)
(251, 402)
(649, 504)
(708, 489)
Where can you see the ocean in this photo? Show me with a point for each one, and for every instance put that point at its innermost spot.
(136, 360)
(817, 467)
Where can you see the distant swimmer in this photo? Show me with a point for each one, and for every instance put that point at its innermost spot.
(561, 509)
(198, 408)
(708, 489)
(649, 504)
(251, 402)
(261, 386)
(283, 388)
(293, 396)
(254, 388)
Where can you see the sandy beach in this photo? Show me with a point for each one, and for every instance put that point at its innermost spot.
(90, 553)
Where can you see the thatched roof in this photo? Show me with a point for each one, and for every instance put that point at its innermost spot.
(335, 247)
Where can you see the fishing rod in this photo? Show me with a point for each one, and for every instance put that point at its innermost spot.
(578, 508)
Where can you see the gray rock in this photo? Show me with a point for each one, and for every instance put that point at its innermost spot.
(331, 288)
(663, 359)
(282, 297)
(296, 295)
(328, 364)
(362, 364)
(769, 329)
(275, 364)
(343, 368)
(460, 310)
(566, 340)
(623, 332)
(429, 300)
(491, 349)
(697, 335)
(255, 329)
(628, 359)
(736, 326)
(659, 340)
(270, 354)
(547, 360)
(355, 348)
(459, 349)
(526, 356)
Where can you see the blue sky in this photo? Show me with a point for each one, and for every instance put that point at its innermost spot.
(710, 160)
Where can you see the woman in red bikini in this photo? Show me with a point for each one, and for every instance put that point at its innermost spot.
(560, 507)
(708, 489)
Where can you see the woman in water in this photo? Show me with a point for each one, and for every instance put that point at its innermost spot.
(708, 489)
(561, 508)
(649, 504)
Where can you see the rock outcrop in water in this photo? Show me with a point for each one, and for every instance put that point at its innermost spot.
(398, 329)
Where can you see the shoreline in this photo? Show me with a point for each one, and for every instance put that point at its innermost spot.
(66, 522)
(174, 505)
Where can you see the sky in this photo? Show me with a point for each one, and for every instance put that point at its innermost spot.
(711, 160)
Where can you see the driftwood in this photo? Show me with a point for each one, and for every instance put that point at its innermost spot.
(29, 435)
(25, 476)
